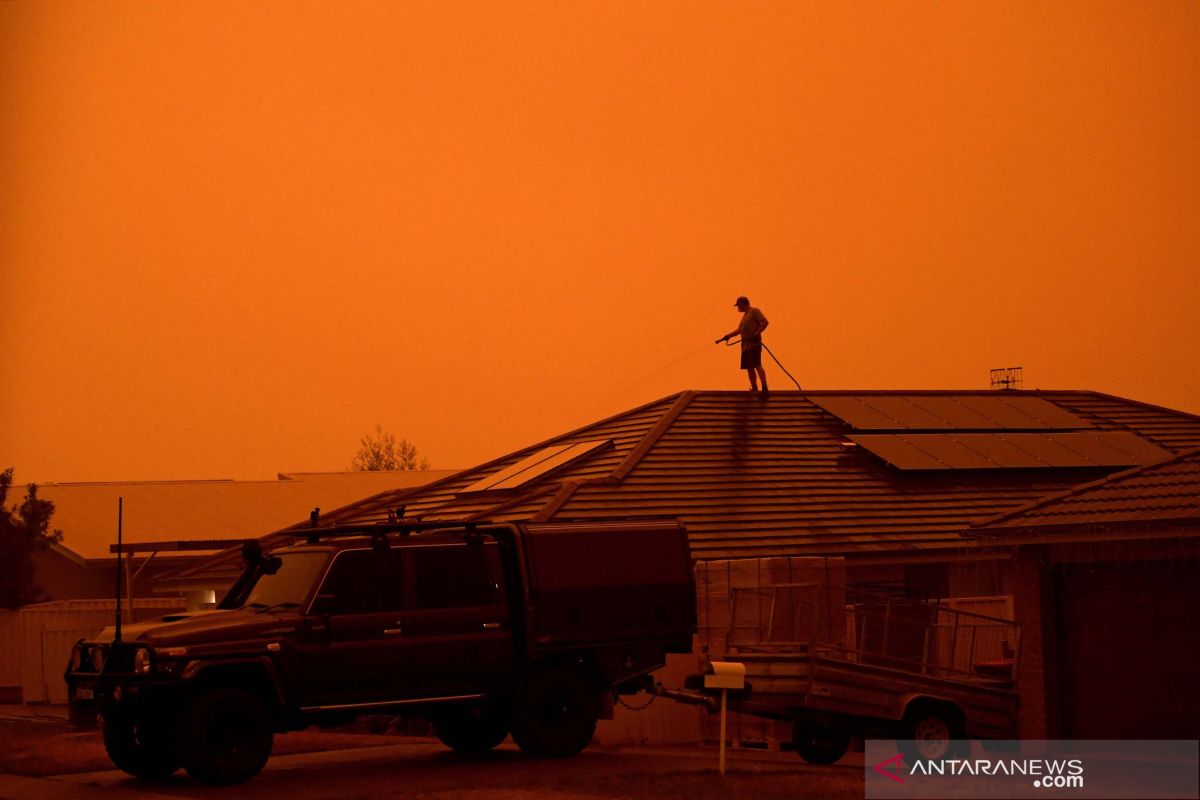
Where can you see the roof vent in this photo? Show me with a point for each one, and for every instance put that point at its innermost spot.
(1007, 377)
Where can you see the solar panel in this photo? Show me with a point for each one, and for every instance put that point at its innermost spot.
(896, 450)
(1047, 451)
(854, 411)
(951, 452)
(1023, 412)
(527, 469)
(948, 412)
(922, 451)
(954, 413)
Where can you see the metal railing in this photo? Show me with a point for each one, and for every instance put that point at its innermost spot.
(927, 637)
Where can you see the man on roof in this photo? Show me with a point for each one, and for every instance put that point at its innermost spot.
(753, 323)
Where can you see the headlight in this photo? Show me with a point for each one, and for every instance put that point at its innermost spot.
(98, 658)
(141, 660)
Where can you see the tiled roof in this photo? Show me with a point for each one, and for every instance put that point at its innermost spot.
(750, 476)
(220, 509)
(1169, 491)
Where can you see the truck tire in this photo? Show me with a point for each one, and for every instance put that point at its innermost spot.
(819, 740)
(556, 714)
(932, 732)
(141, 748)
(225, 737)
(471, 730)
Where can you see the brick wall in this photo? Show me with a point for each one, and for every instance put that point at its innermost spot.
(1026, 578)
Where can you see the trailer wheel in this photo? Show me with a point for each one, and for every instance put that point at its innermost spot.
(225, 737)
(556, 713)
(476, 729)
(819, 740)
(933, 732)
(141, 748)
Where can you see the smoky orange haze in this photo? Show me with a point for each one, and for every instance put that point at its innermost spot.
(235, 236)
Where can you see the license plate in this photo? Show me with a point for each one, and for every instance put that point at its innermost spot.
(84, 693)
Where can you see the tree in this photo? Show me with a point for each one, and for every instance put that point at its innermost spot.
(24, 530)
(383, 452)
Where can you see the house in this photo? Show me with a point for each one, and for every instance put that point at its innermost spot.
(169, 524)
(1114, 567)
(933, 493)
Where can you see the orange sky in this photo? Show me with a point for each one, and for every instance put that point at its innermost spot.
(235, 236)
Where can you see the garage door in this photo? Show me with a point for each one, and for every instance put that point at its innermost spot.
(1129, 649)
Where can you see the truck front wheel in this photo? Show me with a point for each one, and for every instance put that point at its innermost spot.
(225, 736)
(140, 747)
(555, 714)
(475, 729)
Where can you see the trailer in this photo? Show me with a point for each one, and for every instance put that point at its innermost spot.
(838, 662)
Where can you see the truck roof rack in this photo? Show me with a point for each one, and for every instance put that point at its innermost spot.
(315, 534)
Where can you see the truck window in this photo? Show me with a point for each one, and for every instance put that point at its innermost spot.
(361, 582)
(456, 576)
(290, 583)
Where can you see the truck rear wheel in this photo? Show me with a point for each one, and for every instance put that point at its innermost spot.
(819, 740)
(141, 748)
(225, 737)
(471, 730)
(555, 714)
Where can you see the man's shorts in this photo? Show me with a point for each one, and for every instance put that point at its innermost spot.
(752, 356)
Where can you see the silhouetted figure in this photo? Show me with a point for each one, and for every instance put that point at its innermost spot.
(753, 323)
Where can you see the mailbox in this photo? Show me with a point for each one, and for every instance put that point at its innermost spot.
(725, 675)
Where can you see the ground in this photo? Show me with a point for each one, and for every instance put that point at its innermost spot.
(47, 761)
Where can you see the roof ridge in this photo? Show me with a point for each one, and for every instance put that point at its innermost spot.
(1083, 488)
(565, 491)
(522, 497)
(1129, 400)
(652, 436)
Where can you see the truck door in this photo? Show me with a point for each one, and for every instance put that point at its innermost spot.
(460, 621)
(361, 604)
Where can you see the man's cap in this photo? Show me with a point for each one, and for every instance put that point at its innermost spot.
(742, 299)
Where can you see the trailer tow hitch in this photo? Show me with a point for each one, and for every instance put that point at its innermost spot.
(686, 696)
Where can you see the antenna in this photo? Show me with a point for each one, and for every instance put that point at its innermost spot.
(1007, 377)
(120, 515)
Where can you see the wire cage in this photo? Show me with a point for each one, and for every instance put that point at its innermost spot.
(930, 637)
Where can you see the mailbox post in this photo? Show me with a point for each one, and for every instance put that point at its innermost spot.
(724, 675)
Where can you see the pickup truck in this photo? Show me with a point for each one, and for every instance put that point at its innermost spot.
(484, 629)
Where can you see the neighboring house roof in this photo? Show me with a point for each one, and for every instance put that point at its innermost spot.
(1164, 492)
(154, 511)
(752, 476)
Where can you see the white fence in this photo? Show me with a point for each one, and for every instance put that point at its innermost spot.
(36, 641)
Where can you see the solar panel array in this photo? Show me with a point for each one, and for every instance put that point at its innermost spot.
(923, 451)
(927, 412)
(985, 431)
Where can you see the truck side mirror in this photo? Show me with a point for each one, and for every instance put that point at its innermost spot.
(323, 603)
